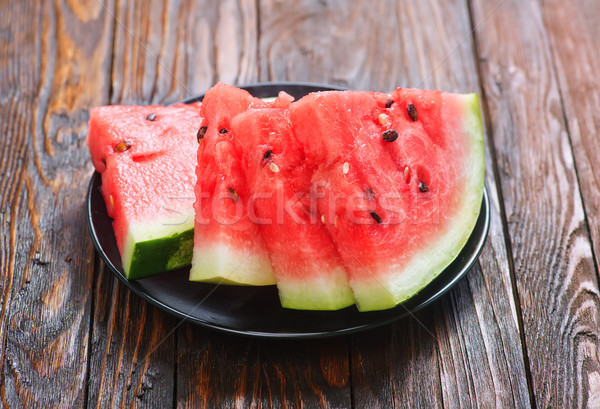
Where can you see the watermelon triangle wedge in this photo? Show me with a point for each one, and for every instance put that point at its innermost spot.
(408, 169)
(306, 264)
(228, 248)
(147, 158)
(357, 196)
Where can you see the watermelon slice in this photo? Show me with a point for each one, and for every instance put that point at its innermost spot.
(146, 156)
(228, 247)
(408, 171)
(306, 264)
(385, 188)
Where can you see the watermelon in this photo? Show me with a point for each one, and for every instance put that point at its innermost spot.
(408, 169)
(307, 267)
(375, 194)
(147, 158)
(228, 247)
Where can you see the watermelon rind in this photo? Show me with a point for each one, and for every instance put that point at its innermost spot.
(225, 252)
(317, 294)
(222, 264)
(155, 247)
(399, 284)
(147, 186)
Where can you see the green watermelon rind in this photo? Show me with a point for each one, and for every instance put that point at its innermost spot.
(399, 286)
(152, 248)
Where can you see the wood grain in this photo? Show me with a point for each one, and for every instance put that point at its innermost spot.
(552, 255)
(217, 370)
(467, 350)
(169, 50)
(573, 34)
(398, 365)
(50, 74)
(232, 371)
(366, 45)
(70, 337)
(132, 358)
(132, 349)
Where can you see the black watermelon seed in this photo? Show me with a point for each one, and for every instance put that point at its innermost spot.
(412, 112)
(267, 155)
(389, 103)
(122, 146)
(310, 212)
(151, 117)
(390, 135)
(234, 194)
(201, 132)
(423, 187)
(223, 131)
(376, 217)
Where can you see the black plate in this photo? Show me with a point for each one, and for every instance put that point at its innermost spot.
(255, 311)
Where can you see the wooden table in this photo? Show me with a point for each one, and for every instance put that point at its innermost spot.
(522, 329)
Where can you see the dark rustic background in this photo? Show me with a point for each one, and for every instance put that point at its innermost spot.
(520, 330)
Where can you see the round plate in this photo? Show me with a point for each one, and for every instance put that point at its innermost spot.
(256, 311)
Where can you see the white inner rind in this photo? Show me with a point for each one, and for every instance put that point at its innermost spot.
(220, 263)
(316, 293)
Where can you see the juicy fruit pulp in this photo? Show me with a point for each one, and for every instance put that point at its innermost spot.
(307, 267)
(409, 202)
(374, 192)
(228, 247)
(146, 156)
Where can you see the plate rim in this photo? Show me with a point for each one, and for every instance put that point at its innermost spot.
(275, 84)
(132, 284)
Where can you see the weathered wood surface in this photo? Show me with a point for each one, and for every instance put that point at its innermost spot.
(229, 371)
(549, 237)
(459, 359)
(54, 65)
(132, 357)
(520, 328)
(573, 34)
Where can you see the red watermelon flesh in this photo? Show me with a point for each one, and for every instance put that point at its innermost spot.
(395, 180)
(405, 207)
(146, 156)
(228, 247)
(307, 267)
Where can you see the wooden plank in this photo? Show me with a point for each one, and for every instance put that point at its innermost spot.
(573, 33)
(231, 371)
(217, 370)
(133, 354)
(132, 349)
(49, 75)
(330, 42)
(462, 352)
(397, 366)
(469, 350)
(368, 45)
(168, 50)
(553, 263)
